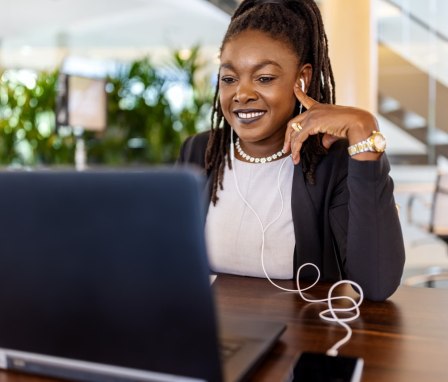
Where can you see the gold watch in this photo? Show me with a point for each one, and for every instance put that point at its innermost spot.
(375, 143)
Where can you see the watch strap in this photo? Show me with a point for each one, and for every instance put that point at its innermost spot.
(365, 145)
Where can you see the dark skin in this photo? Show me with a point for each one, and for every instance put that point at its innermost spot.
(252, 90)
(260, 80)
(336, 122)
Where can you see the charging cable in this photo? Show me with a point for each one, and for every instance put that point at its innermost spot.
(330, 314)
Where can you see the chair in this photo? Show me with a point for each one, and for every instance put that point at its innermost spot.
(437, 226)
(438, 220)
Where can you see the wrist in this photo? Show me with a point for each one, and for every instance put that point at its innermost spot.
(362, 128)
(374, 144)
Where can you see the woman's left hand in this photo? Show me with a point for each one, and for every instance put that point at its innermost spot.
(335, 122)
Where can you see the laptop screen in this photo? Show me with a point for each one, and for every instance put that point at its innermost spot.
(109, 268)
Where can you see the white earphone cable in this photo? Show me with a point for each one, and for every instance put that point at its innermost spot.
(329, 314)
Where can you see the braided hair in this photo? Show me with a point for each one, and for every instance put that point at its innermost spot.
(299, 24)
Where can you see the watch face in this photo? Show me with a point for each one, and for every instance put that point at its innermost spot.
(379, 142)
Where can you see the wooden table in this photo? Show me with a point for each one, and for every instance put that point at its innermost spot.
(404, 339)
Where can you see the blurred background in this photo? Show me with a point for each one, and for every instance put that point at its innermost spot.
(123, 83)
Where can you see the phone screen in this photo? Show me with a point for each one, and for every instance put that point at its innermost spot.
(319, 367)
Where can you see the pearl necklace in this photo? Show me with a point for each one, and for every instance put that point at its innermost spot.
(247, 157)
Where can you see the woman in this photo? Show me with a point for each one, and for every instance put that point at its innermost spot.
(329, 202)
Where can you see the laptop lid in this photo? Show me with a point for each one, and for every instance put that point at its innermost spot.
(106, 268)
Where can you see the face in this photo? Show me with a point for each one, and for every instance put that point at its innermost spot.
(256, 80)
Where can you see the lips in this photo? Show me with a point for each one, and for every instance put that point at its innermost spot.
(249, 116)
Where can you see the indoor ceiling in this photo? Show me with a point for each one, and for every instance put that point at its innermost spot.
(40, 32)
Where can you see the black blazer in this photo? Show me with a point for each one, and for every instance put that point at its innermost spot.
(347, 223)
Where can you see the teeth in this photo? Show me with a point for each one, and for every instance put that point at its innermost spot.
(250, 115)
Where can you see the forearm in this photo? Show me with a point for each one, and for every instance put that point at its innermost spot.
(375, 250)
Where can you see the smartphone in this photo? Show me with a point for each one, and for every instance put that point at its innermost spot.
(319, 367)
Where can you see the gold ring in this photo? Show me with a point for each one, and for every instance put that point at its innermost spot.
(296, 126)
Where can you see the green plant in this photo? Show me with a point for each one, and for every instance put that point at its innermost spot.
(139, 119)
(27, 121)
(145, 123)
(195, 114)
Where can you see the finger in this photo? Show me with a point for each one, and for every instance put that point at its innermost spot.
(287, 143)
(305, 100)
(297, 143)
(328, 140)
(296, 126)
(330, 130)
(292, 128)
(295, 153)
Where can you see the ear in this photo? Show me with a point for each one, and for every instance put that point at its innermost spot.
(304, 78)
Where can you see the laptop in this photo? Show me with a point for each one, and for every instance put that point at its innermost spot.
(104, 277)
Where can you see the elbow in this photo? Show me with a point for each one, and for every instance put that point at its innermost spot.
(380, 277)
(379, 284)
(383, 283)
(379, 293)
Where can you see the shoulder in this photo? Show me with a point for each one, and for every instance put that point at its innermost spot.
(193, 149)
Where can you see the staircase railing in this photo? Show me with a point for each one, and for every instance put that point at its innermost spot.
(413, 74)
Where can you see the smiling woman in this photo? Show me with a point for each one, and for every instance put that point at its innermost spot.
(329, 202)
(257, 89)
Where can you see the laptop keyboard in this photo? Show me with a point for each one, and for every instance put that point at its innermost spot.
(228, 347)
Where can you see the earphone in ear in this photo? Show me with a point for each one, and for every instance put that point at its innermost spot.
(302, 86)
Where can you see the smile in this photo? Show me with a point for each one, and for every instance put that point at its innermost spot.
(250, 115)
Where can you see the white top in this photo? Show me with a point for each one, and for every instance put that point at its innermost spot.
(233, 232)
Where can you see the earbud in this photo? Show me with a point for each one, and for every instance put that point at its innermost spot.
(302, 86)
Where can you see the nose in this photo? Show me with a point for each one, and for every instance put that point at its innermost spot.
(244, 93)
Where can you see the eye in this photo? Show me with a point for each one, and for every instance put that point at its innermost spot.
(228, 80)
(265, 79)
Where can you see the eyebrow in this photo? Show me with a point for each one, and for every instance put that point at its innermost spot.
(262, 64)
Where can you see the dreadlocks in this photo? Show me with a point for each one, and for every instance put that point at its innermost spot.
(299, 24)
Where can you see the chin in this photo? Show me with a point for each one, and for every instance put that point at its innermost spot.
(250, 132)
(247, 136)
